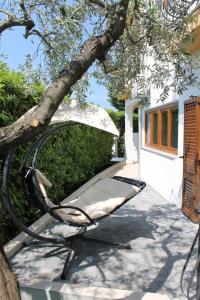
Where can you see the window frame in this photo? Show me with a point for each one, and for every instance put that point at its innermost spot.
(169, 108)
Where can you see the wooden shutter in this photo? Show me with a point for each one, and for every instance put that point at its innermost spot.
(191, 170)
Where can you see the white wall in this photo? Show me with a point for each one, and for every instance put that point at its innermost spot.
(163, 171)
(136, 143)
(131, 150)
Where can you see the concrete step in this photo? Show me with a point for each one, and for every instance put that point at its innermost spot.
(48, 290)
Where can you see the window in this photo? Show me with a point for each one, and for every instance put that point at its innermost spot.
(155, 128)
(161, 127)
(164, 116)
(174, 128)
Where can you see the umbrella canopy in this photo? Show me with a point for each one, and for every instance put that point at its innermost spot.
(86, 113)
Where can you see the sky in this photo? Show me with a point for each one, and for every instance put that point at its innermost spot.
(15, 47)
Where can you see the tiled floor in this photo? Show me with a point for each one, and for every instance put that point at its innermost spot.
(128, 170)
(160, 237)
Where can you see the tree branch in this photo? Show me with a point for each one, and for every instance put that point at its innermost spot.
(137, 41)
(41, 36)
(99, 3)
(3, 11)
(13, 22)
(94, 48)
(23, 8)
(106, 71)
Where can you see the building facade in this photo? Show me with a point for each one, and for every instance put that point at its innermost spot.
(169, 141)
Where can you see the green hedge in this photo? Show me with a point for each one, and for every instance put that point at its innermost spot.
(73, 156)
(69, 159)
(118, 118)
(16, 95)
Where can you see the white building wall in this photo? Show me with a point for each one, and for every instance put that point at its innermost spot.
(163, 171)
(131, 148)
(136, 142)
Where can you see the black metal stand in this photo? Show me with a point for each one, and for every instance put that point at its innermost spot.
(67, 246)
(82, 237)
(196, 269)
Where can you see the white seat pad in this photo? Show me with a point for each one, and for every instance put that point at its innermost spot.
(99, 200)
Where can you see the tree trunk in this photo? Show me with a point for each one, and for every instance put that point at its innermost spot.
(9, 289)
(93, 49)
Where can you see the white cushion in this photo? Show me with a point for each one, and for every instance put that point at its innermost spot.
(115, 188)
(100, 199)
(97, 201)
(41, 177)
(43, 181)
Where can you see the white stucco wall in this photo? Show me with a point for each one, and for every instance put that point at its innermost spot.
(131, 147)
(161, 170)
(163, 173)
(136, 143)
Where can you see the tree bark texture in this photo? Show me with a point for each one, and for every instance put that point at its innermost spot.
(9, 289)
(94, 48)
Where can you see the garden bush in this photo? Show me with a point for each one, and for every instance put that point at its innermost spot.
(118, 118)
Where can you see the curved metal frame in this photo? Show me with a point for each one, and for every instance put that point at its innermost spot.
(5, 183)
(31, 189)
(35, 150)
(9, 207)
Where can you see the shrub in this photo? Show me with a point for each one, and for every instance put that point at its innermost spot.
(118, 118)
(74, 155)
(16, 95)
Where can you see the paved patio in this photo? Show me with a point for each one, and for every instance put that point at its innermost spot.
(160, 237)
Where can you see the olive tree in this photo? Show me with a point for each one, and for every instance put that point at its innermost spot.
(114, 36)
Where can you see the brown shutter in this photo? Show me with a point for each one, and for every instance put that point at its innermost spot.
(191, 174)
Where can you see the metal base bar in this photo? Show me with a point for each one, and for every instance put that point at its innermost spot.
(67, 246)
(56, 251)
(93, 240)
(43, 244)
(67, 264)
(82, 237)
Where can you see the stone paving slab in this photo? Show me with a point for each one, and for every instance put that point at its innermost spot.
(160, 237)
(46, 290)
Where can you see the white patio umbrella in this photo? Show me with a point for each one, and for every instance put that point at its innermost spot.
(87, 113)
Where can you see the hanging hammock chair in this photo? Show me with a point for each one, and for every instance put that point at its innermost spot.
(98, 201)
